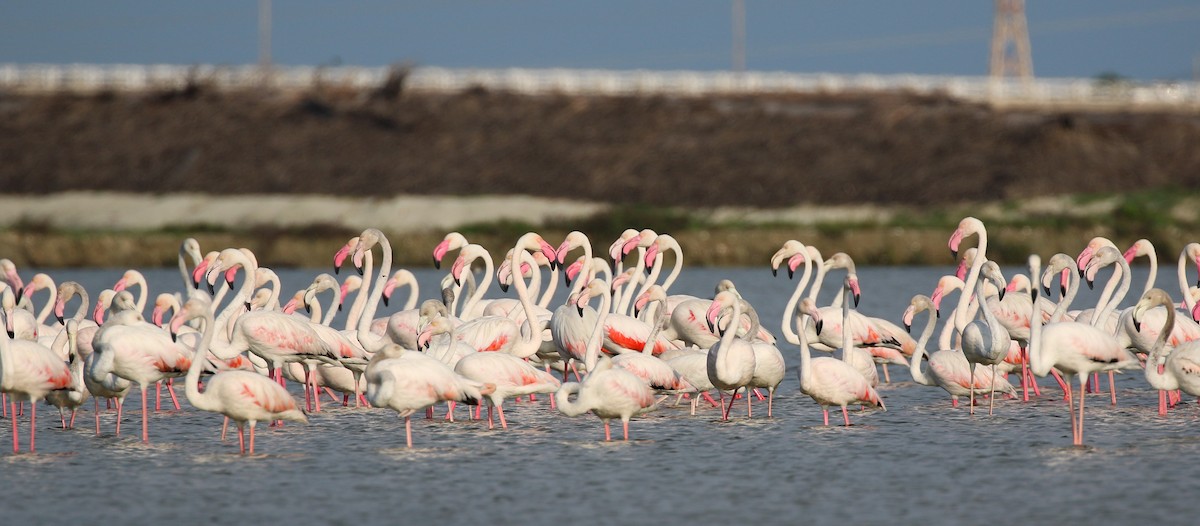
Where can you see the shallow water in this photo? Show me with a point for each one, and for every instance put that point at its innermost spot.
(922, 461)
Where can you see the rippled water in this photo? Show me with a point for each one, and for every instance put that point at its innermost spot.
(920, 462)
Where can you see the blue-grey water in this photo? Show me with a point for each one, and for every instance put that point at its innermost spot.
(920, 462)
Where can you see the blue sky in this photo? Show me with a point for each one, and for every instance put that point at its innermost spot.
(1146, 39)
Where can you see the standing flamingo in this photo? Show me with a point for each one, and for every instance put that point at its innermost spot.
(606, 391)
(827, 380)
(77, 393)
(407, 382)
(28, 372)
(242, 396)
(1157, 373)
(1073, 348)
(948, 368)
(985, 341)
(730, 360)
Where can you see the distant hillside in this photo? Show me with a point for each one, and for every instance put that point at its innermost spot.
(762, 151)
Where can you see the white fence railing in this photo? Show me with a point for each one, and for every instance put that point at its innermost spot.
(84, 78)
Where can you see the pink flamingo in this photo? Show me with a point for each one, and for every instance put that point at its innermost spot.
(948, 368)
(1184, 358)
(28, 371)
(827, 380)
(74, 396)
(1073, 348)
(242, 396)
(731, 360)
(606, 391)
(407, 382)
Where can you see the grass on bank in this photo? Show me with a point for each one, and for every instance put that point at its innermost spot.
(904, 235)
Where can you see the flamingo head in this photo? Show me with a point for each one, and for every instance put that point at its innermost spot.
(852, 284)
(808, 307)
(967, 227)
(340, 256)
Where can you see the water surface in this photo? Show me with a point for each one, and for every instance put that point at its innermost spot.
(920, 462)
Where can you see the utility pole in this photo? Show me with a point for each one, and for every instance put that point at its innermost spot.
(739, 35)
(1010, 42)
(264, 36)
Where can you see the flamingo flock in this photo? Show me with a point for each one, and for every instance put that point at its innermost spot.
(619, 346)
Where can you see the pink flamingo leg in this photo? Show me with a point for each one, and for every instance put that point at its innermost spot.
(4, 402)
(120, 411)
(241, 439)
(625, 427)
(62, 418)
(770, 403)
(1112, 387)
(1081, 397)
(710, 399)
(1024, 375)
(32, 426)
(749, 414)
(157, 396)
(607, 434)
(825, 412)
(171, 391)
(15, 437)
(408, 430)
(500, 410)
(490, 425)
(225, 428)
(1162, 403)
(73, 411)
(845, 416)
(887, 378)
(145, 419)
(1061, 383)
(346, 400)
(252, 438)
(732, 399)
(759, 395)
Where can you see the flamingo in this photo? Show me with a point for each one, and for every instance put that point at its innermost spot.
(28, 372)
(512, 377)
(827, 380)
(74, 396)
(607, 392)
(985, 341)
(1182, 358)
(730, 360)
(138, 352)
(1071, 347)
(948, 368)
(242, 396)
(407, 382)
(657, 373)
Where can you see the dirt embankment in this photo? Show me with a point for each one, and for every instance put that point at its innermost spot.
(762, 151)
(740, 151)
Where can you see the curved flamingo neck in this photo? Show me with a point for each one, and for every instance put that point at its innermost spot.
(819, 262)
(960, 318)
(360, 298)
(1153, 275)
(596, 340)
(385, 270)
(200, 400)
(1063, 305)
(531, 333)
(477, 296)
(806, 373)
(1111, 299)
(730, 333)
(790, 309)
(847, 343)
(551, 288)
(914, 366)
(676, 269)
(1183, 284)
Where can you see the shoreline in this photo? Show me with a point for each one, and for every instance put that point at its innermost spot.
(140, 230)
